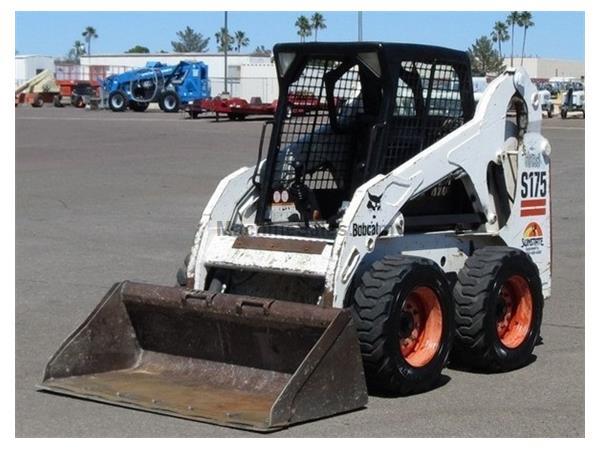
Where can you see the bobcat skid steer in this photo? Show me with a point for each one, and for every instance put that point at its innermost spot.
(389, 224)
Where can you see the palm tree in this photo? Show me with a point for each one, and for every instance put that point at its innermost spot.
(304, 28)
(500, 35)
(525, 22)
(241, 40)
(317, 22)
(77, 51)
(514, 18)
(89, 33)
(223, 39)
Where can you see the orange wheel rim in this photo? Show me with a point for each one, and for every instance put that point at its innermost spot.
(420, 326)
(514, 311)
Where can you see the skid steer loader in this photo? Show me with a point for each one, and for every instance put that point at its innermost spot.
(394, 222)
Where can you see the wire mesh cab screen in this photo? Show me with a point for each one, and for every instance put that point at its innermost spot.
(323, 140)
(428, 106)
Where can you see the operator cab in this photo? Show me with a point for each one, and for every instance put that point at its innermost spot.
(347, 112)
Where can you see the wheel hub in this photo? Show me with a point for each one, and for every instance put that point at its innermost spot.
(514, 311)
(420, 326)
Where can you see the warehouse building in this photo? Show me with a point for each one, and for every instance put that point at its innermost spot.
(546, 68)
(28, 66)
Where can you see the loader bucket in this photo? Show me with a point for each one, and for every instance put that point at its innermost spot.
(232, 360)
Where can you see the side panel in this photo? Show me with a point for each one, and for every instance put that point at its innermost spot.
(529, 225)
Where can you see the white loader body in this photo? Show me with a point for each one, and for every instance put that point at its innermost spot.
(486, 138)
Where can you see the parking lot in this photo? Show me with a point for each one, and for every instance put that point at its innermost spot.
(102, 197)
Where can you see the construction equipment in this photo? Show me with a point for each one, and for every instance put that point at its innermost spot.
(334, 257)
(546, 101)
(39, 90)
(79, 93)
(573, 100)
(170, 86)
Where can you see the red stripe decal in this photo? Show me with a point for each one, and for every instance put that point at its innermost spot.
(533, 202)
(533, 212)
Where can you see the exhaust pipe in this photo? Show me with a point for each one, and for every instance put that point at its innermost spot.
(232, 360)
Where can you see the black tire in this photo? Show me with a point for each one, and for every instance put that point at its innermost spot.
(169, 102)
(56, 101)
(78, 102)
(380, 316)
(138, 106)
(182, 271)
(236, 116)
(37, 102)
(563, 113)
(550, 111)
(117, 101)
(488, 277)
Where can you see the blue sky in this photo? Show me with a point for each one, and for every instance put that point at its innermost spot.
(555, 34)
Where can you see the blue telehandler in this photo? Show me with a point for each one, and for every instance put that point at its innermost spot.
(169, 85)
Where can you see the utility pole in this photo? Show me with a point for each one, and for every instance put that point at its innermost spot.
(225, 48)
(360, 34)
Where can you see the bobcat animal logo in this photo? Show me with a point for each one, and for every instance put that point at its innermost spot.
(374, 202)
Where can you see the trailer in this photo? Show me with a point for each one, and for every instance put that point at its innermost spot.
(237, 108)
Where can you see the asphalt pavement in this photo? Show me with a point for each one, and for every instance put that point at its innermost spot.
(102, 197)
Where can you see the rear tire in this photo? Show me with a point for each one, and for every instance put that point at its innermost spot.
(563, 113)
(499, 305)
(56, 101)
(169, 102)
(117, 101)
(404, 314)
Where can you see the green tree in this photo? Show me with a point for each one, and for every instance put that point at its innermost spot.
(224, 39)
(499, 35)
(89, 33)
(304, 28)
(190, 42)
(261, 50)
(317, 22)
(241, 40)
(514, 18)
(138, 49)
(77, 51)
(484, 58)
(526, 22)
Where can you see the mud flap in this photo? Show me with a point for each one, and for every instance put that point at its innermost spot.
(232, 360)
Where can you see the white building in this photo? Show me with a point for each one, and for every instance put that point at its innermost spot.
(248, 76)
(28, 66)
(546, 68)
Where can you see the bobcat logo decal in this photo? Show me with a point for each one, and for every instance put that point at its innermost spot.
(374, 202)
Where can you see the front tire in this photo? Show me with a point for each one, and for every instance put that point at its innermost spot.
(404, 314)
(169, 102)
(117, 101)
(499, 305)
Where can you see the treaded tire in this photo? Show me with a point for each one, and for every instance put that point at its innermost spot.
(169, 102)
(117, 101)
(477, 293)
(378, 307)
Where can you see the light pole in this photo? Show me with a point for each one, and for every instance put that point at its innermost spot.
(360, 28)
(225, 48)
